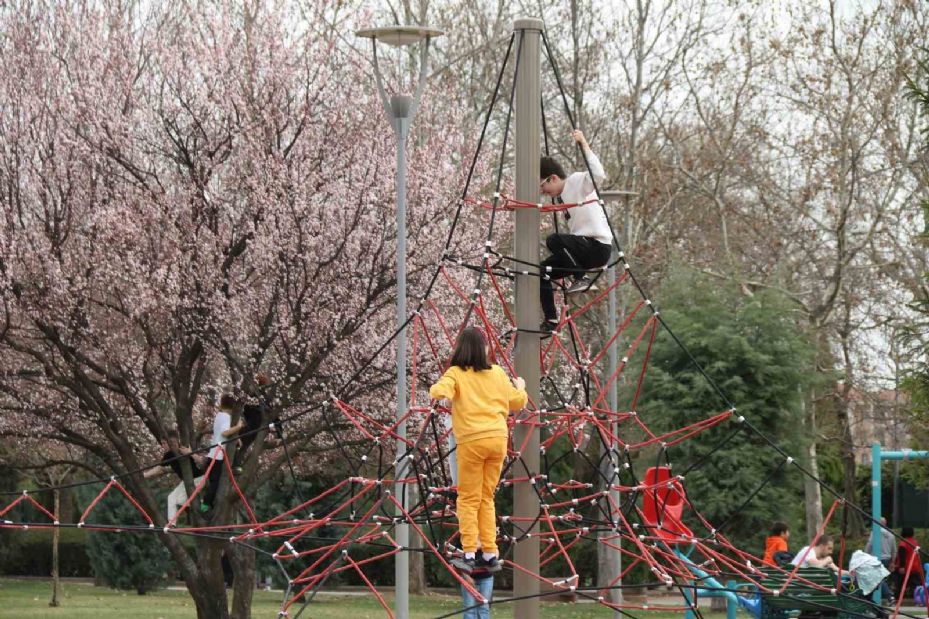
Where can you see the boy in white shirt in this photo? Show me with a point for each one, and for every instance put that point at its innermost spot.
(223, 430)
(589, 244)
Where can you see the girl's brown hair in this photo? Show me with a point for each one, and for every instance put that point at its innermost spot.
(471, 351)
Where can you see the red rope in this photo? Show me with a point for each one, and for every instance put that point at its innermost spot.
(511, 204)
(27, 498)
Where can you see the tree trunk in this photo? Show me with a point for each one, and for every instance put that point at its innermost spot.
(417, 568)
(812, 492)
(56, 535)
(849, 488)
(67, 506)
(243, 566)
(203, 575)
(209, 590)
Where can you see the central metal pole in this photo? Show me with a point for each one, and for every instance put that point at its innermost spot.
(614, 557)
(400, 106)
(527, 237)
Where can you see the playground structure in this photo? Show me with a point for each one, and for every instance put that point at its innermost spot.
(649, 518)
(877, 457)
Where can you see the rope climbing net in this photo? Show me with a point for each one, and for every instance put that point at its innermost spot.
(592, 487)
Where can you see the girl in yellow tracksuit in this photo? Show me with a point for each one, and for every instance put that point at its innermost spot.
(482, 396)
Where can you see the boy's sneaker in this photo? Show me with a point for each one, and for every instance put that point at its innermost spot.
(492, 565)
(581, 284)
(463, 564)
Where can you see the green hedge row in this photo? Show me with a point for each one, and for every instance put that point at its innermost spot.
(29, 553)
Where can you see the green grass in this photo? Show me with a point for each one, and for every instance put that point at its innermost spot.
(20, 599)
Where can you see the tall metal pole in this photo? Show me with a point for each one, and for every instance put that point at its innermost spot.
(528, 122)
(400, 106)
(614, 557)
(608, 559)
(401, 109)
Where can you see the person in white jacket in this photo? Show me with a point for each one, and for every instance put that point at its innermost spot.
(589, 243)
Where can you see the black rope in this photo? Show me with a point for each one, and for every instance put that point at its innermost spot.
(493, 213)
(547, 151)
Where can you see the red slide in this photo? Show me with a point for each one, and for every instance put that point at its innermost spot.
(665, 504)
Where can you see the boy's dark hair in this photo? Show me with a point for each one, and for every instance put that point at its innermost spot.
(825, 539)
(470, 351)
(548, 167)
(907, 532)
(779, 528)
(227, 401)
(172, 433)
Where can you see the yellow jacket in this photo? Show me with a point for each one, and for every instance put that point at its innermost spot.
(480, 401)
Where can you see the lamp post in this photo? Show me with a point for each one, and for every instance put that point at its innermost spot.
(613, 559)
(401, 109)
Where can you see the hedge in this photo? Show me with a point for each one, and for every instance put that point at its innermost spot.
(29, 553)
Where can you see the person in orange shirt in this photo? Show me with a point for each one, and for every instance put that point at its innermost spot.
(776, 543)
(481, 397)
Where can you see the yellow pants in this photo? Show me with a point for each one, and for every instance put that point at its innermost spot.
(479, 465)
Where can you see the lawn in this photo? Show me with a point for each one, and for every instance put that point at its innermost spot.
(20, 599)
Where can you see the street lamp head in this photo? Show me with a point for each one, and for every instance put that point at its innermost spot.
(400, 36)
(400, 106)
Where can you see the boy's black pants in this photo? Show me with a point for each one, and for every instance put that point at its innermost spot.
(570, 255)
